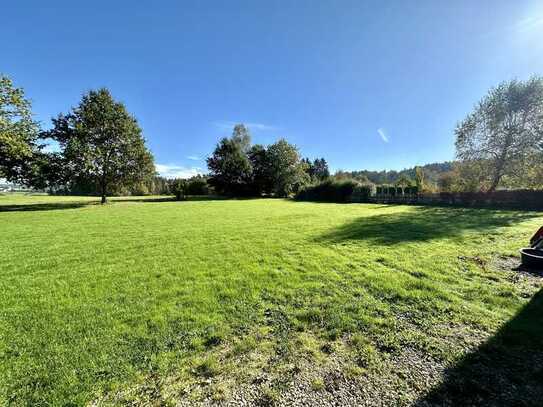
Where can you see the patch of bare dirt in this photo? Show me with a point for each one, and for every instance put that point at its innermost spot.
(517, 273)
(399, 381)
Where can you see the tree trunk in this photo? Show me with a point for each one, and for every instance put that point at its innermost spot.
(104, 198)
(494, 184)
(498, 173)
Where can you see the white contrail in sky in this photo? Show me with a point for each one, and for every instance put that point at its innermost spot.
(383, 134)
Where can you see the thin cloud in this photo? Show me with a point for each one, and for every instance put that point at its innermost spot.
(51, 146)
(194, 158)
(383, 134)
(177, 171)
(261, 126)
(529, 24)
(227, 125)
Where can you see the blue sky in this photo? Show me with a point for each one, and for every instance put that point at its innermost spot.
(366, 84)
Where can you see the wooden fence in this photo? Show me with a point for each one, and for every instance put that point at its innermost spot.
(517, 199)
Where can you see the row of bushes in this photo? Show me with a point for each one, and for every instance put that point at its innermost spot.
(393, 191)
(193, 186)
(336, 191)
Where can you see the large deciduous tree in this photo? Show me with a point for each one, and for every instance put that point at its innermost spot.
(102, 144)
(286, 168)
(262, 180)
(18, 131)
(504, 133)
(230, 167)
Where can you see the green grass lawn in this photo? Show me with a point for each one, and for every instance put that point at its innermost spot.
(150, 301)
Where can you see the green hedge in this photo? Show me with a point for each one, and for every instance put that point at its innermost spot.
(335, 191)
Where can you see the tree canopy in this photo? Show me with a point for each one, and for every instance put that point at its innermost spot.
(230, 167)
(288, 172)
(504, 133)
(237, 168)
(102, 144)
(419, 178)
(404, 181)
(317, 169)
(262, 177)
(18, 131)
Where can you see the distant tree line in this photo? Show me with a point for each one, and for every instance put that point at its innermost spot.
(103, 152)
(426, 176)
(238, 168)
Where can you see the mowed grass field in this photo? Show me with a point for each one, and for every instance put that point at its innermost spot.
(147, 301)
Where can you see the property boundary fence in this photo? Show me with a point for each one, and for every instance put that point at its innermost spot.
(515, 199)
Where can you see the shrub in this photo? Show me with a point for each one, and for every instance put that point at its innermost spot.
(412, 190)
(178, 187)
(193, 186)
(335, 191)
(362, 193)
(384, 190)
(197, 186)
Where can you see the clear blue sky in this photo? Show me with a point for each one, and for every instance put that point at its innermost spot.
(366, 84)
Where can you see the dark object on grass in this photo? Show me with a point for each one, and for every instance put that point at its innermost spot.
(537, 239)
(533, 256)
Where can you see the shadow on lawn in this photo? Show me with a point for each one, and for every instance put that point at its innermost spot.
(51, 206)
(505, 371)
(144, 200)
(422, 224)
(45, 206)
(189, 198)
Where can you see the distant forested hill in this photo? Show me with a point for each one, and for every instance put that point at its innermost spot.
(431, 173)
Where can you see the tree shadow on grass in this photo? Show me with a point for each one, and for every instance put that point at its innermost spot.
(422, 224)
(505, 371)
(52, 206)
(188, 198)
(142, 200)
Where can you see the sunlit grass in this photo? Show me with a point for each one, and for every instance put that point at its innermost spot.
(97, 301)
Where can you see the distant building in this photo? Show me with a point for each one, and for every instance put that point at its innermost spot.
(10, 187)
